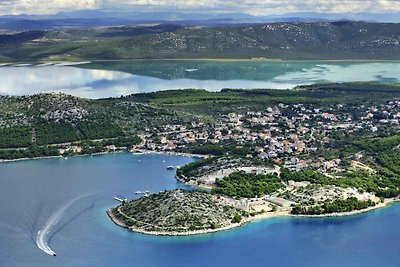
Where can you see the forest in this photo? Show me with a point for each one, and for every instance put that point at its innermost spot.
(341, 205)
(15, 137)
(240, 184)
(30, 152)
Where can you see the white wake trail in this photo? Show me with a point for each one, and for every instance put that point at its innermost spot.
(42, 236)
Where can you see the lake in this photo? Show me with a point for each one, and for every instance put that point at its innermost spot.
(99, 80)
(32, 191)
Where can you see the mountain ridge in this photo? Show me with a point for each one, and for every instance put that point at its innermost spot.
(292, 41)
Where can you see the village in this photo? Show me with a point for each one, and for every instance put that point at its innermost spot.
(283, 133)
(294, 137)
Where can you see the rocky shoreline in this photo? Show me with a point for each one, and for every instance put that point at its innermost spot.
(277, 214)
(163, 233)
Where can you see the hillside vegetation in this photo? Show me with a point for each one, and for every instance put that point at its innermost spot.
(50, 119)
(44, 119)
(57, 118)
(175, 211)
(318, 40)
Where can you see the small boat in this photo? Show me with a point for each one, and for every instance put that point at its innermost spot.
(191, 70)
(138, 192)
(170, 167)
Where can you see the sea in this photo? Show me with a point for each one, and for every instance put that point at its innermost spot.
(79, 190)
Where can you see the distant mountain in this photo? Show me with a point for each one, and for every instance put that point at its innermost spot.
(367, 17)
(285, 40)
(133, 15)
(104, 18)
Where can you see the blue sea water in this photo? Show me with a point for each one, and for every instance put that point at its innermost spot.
(31, 191)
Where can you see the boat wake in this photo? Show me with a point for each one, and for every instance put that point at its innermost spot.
(42, 237)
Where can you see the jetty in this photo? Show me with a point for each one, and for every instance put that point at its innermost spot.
(121, 199)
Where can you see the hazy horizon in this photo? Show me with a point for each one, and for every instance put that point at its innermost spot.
(374, 10)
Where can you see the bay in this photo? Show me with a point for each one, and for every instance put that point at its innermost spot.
(31, 191)
(112, 79)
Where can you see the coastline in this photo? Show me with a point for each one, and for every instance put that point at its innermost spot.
(23, 159)
(163, 233)
(60, 156)
(261, 59)
(169, 153)
(277, 214)
(137, 152)
(380, 205)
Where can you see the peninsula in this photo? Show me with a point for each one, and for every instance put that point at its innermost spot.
(182, 212)
(176, 212)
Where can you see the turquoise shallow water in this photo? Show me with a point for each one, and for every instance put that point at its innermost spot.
(98, 80)
(31, 191)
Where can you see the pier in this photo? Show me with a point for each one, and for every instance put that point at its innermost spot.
(120, 198)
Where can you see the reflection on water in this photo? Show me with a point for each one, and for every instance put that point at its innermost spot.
(115, 79)
(379, 72)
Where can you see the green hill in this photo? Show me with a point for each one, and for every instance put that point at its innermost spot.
(57, 118)
(295, 40)
(176, 211)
